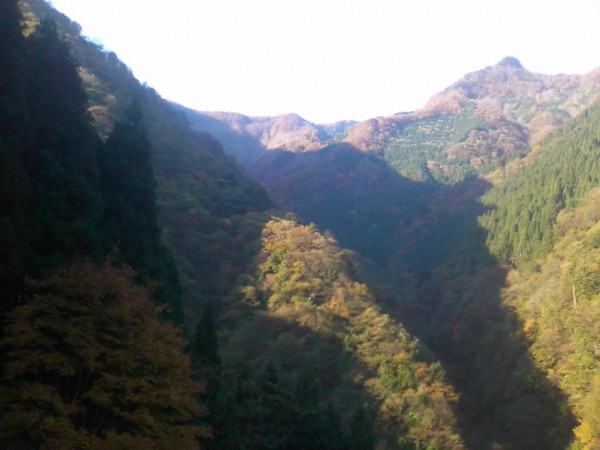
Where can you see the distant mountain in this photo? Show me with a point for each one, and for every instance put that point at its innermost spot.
(481, 121)
(247, 138)
(475, 220)
(484, 119)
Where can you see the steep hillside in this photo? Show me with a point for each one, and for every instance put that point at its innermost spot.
(482, 316)
(208, 204)
(485, 119)
(479, 123)
(91, 346)
(303, 312)
(500, 288)
(355, 195)
(523, 210)
(557, 302)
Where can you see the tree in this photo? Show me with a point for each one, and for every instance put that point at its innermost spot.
(131, 211)
(64, 205)
(90, 365)
(361, 430)
(206, 345)
(14, 127)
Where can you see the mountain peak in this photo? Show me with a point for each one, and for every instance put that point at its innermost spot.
(510, 61)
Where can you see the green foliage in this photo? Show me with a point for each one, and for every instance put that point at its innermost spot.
(88, 363)
(314, 342)
(14, 131)
(131, 211)
(557, 300)
(302, 308)
(413, 150)
(64, 206)
(523, 210)
(209, 208)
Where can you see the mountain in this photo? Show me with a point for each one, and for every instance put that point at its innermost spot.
(444, 295)
(247, 138)
(209, 206)
(91, 310)
(408, 193)
(490, 116)
(302, 311)
(210, 211)
(482, 121)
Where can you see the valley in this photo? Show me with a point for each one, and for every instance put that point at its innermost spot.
(426, 280)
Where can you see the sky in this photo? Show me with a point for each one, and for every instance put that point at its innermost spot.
(331, 60)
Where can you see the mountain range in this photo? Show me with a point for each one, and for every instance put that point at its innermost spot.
(423, 280)
(490, 115)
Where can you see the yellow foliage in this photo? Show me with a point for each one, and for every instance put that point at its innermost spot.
(310, 291)
(584, 434)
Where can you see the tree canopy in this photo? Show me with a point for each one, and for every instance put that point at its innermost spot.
(88, 363)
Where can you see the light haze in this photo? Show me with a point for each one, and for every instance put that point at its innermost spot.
(331, 60)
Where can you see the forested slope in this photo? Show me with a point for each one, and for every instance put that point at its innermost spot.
(476, 327)
(302, 313)
(515, 328)
(523, 209)
(90, 316)
(207, 203)
(557, 302)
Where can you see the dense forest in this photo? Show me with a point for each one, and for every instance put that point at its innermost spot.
(425, 281)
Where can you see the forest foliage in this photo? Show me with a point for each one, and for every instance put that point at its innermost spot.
(119, 222)
(523, 210)
(302, 308)
(90, 356)
(557, 301)
(88, 363)
(209, 207)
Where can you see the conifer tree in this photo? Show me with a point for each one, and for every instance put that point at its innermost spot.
(131, 211)
(206, 341)
(361, 429)
(64, 206)
(14, 129)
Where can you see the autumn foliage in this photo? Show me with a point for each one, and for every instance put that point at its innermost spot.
(89, 364)
(304, 307)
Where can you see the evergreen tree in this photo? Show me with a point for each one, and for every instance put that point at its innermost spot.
(131, 211)
(206, 346)
(12, 86)
(14, 127)
(64, 205)
(361, 429)
(207, 365)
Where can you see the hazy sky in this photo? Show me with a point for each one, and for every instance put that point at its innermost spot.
(329, 60)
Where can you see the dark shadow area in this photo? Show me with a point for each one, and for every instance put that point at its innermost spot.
(284, 386)
(431, 264)
(211, 208)
(353, 194)
(449, 295)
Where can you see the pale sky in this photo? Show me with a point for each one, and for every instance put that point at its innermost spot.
(330, 60)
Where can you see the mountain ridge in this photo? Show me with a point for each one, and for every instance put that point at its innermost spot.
(487, 117)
